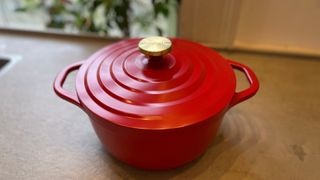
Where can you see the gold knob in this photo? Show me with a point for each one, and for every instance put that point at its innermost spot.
(155, 46)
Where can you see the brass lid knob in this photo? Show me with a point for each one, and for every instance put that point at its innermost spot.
(155, 46)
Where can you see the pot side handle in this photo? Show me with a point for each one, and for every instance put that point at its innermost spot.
(59, 81)
(251, 77)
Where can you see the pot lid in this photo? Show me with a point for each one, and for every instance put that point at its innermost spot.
(155, 83)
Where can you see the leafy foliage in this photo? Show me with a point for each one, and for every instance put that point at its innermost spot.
(82, 14)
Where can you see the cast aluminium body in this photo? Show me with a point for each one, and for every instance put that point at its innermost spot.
(156, 115)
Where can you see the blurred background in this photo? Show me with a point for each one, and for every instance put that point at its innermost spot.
(109, 18)
(287, 26)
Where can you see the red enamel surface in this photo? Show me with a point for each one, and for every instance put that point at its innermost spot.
(157, 149)
(156, 113)
(122, 85)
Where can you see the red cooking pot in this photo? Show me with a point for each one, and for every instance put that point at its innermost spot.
(156, 103)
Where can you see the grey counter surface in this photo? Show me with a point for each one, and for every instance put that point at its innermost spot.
(275, 135)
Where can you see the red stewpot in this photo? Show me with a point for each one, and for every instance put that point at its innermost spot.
(156, 103)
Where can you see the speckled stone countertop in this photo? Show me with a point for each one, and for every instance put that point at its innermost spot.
(275, 135)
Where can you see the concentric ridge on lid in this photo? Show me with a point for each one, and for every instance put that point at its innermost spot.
(119, 82)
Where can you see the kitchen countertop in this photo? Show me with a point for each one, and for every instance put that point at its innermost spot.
(274, 135)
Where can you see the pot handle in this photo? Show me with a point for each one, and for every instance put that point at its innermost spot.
(252, 78)
(59, 81)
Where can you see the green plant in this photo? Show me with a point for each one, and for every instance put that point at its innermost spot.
(99, 16)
